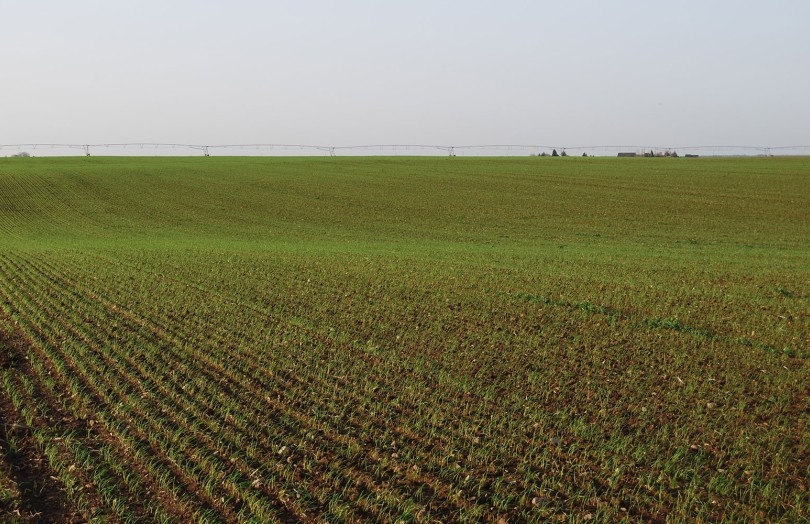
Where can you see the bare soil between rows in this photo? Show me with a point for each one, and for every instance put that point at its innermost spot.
(41, 495)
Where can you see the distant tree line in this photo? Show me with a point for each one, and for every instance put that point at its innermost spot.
(555, 153)
(656, 154)
(667, 153)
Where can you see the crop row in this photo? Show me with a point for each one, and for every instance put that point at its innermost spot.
(242, 410)
(86, 360)
(289, 386)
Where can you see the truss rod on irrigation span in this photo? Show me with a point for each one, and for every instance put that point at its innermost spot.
(327, 149)
(34, 147)
(485, 149)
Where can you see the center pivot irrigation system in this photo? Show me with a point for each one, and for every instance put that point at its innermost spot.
(414, 149)
(206, 149)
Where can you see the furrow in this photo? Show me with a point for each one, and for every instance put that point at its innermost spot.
(337, 441)
(71, 371)
(126, 373)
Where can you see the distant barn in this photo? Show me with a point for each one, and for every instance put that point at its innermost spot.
(627, 154)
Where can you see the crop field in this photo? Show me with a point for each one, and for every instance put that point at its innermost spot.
(404, 340)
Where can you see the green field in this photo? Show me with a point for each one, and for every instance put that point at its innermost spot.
(405, 339)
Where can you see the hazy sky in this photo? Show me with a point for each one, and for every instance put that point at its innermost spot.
(438, 72)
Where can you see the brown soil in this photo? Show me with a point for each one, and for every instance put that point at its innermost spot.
(42, 497)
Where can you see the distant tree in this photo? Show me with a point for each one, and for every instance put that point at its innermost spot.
(554, 153)
(674, 154)
(564, 153)
(584, 154)
(21, 154)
